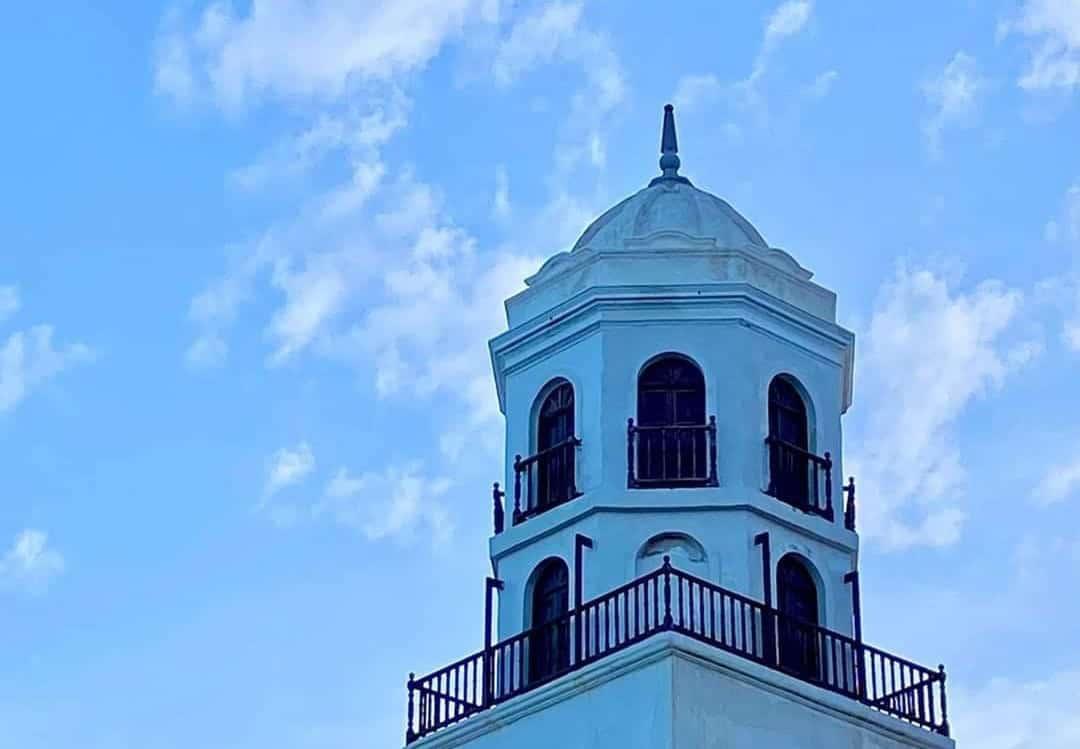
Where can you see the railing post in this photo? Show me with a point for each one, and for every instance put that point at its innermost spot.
(631, 481)
(668, 620)
(852, 579)
(581, 542)
(491, 585)
(828, 488)
(768, 635)
(517, 489)
(500, 514)
(849, 508)
(713, 481)
(571, 464)
(410, 732)
(944, 704)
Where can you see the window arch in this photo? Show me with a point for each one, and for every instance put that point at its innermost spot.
(672, 429)
(789, 437)
(554, 437)
(686, 554)
(797, 601)
(549, 641)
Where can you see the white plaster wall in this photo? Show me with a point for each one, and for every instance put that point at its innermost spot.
(632, 710)
(712, 710)
(618, 533)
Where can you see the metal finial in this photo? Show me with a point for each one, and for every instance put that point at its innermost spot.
(669, 149)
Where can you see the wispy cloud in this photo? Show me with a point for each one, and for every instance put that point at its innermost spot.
(928, 352)
(952, 99)
(1053, 27)
(30, 564)
(1060, 482)
(695, 91)
(287, 467)
(29, 358)
(1008, 713)
(394, 503)
(9, 302)
(822, 85)
(500, 203)
(301, 49)
(1064, 289)
(536, 39)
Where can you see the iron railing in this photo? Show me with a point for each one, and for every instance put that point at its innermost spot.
(546, 479)
(800, 478)
(671, 455)
(671, 600)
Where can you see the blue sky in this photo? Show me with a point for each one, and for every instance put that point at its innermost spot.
(252, 253)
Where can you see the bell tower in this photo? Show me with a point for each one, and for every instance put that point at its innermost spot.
(675, 554)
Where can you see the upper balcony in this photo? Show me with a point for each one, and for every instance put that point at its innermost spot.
(672, 457)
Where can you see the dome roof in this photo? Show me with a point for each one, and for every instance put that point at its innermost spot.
(671, 204)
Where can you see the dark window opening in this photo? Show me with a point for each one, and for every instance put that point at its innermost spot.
(798, 622)
(549, 643)
(555, 432)
(789, 459)
(672, 432)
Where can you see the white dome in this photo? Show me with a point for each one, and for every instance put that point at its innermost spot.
(671, 204)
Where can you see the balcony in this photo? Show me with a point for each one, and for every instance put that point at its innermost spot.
(671, 456)
(800, 478)
(545, 480)
(669, 600)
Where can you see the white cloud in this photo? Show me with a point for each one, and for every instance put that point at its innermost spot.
(557, 32)
(500, 204)
(536, 39)
(692, 91)
(302, 49)
(786, 21)
(28, 358)
(9, 302)
(1060, 482)
(952, 99)
(359, 134)
(1064, 290)
(314, 295)
(391, 503)
(30, 564)
(928, 352)
(287, 467)
(821, 85)
(214, 309)
(1011, 714)
(1054, 28)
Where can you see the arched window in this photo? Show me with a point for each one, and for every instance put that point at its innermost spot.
(554, 436)
(549, 643)
(789, 462)
(797, 599)
(671, 428)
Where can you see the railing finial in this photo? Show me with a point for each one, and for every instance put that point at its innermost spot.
(849, 508)
(517, 489)
(500, 514)
(668, 620)
(410, 732)
(944, 704)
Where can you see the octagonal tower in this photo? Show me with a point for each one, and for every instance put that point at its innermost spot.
(675, 555)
